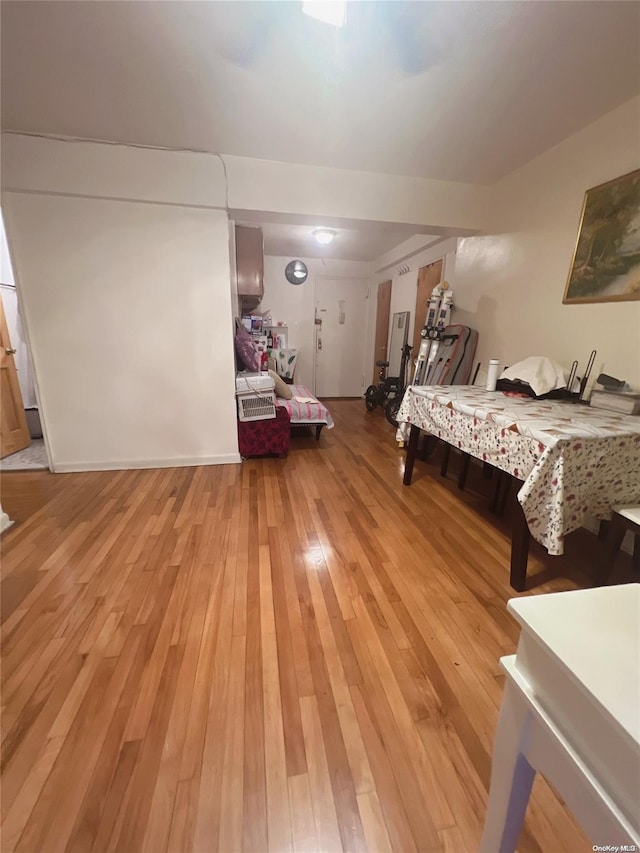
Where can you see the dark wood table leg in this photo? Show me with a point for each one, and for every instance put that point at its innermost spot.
(519, 551)
(414, 435)
(507, 482)
(616, 531)
(464, 470)
(446, 453)
(493, 506)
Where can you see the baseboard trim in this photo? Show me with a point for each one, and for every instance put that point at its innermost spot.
(136, 464)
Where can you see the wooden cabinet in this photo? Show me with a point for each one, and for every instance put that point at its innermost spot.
(249, 262)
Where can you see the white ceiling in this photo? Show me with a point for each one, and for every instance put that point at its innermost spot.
(361, 244)
(292, 237)
(462, 91)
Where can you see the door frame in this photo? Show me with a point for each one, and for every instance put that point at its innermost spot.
(385, 346)
(26, 328)
(19, 437)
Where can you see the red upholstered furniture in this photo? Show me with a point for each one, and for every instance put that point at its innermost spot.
(264, 438)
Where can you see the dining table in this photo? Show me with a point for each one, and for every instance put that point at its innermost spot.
(574, 462)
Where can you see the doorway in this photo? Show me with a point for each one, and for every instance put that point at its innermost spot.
(340, 336)
(21, 441)
(383, 312)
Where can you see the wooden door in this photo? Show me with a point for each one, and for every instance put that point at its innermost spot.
(428, 278)
(383, 313)
(14, 432)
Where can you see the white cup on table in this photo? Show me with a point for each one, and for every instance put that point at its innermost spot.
(492, 375)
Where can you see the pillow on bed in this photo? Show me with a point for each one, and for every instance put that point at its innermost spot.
(282, 389)
(246, 349)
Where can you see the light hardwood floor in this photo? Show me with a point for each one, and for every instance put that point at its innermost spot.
(292, 653)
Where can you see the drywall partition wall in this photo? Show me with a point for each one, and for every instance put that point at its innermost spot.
(103, 170)
(266, 185)
(510, 282)
(128, 309)
(295, 304)
(119, 171)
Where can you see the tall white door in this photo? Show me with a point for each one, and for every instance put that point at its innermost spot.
(340, 339)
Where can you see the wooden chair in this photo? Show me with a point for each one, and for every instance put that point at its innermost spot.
(503, 480)
(624, 518)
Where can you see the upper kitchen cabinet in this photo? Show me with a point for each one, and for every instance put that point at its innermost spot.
(250, 263)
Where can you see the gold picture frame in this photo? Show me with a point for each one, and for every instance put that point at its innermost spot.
(606, 258)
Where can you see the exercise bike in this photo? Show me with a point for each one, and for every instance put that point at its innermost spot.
(388, 393)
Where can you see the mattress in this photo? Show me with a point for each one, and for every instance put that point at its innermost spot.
(305, 413)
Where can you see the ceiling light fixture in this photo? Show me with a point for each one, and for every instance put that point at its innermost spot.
(324, 236)
(331, 12)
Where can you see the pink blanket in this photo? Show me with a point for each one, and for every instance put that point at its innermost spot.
(305, 413)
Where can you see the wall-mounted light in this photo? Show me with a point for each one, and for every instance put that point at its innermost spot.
(324, 236)
(296, 272)
(403, 269)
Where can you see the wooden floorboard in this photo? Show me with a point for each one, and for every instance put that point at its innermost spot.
(288, 654)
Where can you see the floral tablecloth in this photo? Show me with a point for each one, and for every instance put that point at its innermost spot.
(575, 461)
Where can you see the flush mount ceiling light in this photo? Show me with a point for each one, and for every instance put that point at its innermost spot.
(324, 236)
(331, 12)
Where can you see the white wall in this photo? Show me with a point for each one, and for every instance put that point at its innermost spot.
(509, 283)
(102, 170)
(127, 305)
(262, 185)
(6, 269)
(317, 191)
(295, 304)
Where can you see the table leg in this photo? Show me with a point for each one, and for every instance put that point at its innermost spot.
(414, 435)
(615, 536)
(519, 550)
(446, 453)
(464, 470)
(511, 777)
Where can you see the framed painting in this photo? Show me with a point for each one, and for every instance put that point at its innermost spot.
(606, 260)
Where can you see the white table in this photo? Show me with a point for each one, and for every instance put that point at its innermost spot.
(571, 711)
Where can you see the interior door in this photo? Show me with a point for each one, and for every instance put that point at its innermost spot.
(383, 312)
(428, 278)
(14, 432)
(341, 327)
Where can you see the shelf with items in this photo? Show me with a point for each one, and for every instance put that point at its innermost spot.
(277, 336)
